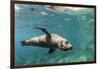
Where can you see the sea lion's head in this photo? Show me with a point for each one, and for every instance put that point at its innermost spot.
(65, 45)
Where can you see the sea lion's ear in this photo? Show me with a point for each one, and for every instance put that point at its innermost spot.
(51, 50)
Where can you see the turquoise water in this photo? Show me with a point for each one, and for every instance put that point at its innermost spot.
(75, 25)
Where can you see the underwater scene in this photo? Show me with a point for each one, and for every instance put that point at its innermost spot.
(76, 24)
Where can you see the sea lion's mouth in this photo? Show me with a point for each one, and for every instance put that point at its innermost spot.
(67, 49)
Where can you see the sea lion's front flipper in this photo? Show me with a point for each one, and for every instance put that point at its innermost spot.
(51, 50)
(45, 31)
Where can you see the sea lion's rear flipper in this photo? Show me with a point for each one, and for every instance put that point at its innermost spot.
(45, 31)
(51, 50)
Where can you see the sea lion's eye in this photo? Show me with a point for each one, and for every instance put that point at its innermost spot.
(66, 42)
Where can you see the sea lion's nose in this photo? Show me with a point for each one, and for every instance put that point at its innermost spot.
(71, 47)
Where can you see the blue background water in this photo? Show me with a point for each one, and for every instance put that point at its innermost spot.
(76, 26)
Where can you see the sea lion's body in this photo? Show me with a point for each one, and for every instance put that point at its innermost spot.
(43, 42)
(52, 41)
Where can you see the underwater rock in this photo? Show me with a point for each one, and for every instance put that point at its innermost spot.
(17, 60)
(84, 17)
(27, 62)
(52, 15)
(91, 21)
(61, 61)
(66, 19)
(83, 58)
(91, 46)
(51, 60)
(68, 59)
(44, 13)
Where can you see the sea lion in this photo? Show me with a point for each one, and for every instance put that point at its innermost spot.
(51, 41)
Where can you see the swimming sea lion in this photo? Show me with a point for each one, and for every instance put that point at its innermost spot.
(52, 41)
